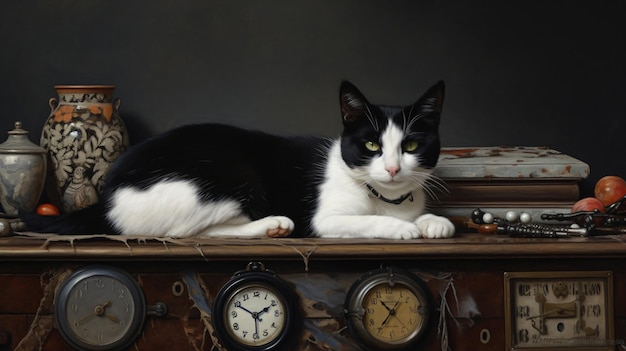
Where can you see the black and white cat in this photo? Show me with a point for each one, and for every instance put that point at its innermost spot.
(215, 180)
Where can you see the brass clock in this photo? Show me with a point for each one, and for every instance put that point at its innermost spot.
(99, 308)
(559, 310)
(254, 310)
(387, 309)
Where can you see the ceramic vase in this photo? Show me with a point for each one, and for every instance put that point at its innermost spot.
(83, 135)
(22, 172)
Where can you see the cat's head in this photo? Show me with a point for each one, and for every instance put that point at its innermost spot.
(391, 147)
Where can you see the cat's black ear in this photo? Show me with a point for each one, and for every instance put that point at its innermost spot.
(353, 103)
(432, 100)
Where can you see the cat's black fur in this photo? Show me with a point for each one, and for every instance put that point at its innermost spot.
(268, 174)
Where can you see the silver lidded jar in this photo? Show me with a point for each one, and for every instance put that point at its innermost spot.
(22, 172)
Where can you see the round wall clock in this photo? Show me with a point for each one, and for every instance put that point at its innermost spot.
(100, 308)
(387, 309)
(254, 310)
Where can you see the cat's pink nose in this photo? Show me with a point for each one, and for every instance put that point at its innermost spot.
(393, 170)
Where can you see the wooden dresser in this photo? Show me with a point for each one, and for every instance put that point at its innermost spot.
(471, 280)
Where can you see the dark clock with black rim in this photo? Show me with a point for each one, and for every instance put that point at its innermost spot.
(254, 310)
(100, 308)
(388, 309)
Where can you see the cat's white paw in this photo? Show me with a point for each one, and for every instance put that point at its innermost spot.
(434, 227)
(410, 232)
(367, 227)
(400, 230)
(277, 226)
(272, 226)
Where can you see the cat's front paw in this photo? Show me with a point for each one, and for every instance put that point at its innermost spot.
(434, 227)
(403, 230)
(278, 226)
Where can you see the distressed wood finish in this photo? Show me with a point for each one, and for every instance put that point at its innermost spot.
(468, 269)
(464, 246)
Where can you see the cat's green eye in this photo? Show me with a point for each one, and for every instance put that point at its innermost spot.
(372, 146)
(410, 146)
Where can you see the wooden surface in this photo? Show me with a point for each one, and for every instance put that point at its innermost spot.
(465, 273)
(463, 246)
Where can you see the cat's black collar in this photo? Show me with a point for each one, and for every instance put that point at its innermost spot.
(397, 201)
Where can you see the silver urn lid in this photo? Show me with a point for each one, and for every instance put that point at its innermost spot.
(18, 142)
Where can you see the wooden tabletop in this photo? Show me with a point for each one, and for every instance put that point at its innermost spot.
(30, 246)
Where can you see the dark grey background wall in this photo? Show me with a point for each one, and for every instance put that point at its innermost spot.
(536, 73)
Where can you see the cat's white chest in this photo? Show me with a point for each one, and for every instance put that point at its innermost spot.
(408, 210)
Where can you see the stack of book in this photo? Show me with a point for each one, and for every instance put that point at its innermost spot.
(535, 180)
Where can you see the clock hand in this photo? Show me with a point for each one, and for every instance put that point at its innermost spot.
(245, 309)
(86, 318)
(265, 310)
(392, 311)
(101, 311)
(558, 311)
(386, 319)
(256, 326)
(112, 318)
(256, 315)
(385, 305)
(97, 311)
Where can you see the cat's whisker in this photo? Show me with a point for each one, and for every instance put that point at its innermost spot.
(413, 133)
(439, 183)
(432, 194)
(371, 118)
(404, 121)
(410, 124)
(431, 185)
(419, 180)
(416, 118)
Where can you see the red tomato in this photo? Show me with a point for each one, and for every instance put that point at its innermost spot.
(48, 210)
(610, 189)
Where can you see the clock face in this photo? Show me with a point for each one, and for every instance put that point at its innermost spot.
(255, 315)
(559, 310)
(254, 310)
(388, 309)
(100, 309)
(392, 313)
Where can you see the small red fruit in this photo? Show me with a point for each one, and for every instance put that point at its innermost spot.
(588, 204)
(48, 210)
(610, 189)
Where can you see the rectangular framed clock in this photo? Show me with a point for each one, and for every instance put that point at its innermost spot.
(559, 311)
